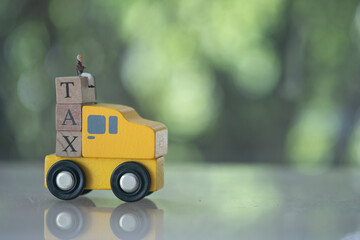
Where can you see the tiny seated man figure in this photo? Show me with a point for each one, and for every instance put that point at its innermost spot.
(80, 72)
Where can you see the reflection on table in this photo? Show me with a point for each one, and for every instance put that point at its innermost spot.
(83, 220)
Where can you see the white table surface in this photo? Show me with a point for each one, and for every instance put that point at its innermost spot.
(198, 202)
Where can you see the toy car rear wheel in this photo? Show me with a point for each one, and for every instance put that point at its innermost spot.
(65, 180)
(130, 182)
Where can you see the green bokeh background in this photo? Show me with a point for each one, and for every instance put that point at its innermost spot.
(264, 81)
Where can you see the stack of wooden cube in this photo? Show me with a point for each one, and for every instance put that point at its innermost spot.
(71, 94)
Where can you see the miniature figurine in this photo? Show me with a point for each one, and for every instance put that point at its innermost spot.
(102, 146)
(80, 71)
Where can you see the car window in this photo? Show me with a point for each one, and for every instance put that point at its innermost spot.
(113, 125)
(96, 124)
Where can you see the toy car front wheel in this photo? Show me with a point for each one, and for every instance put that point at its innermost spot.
(130, 182)
(65, 180)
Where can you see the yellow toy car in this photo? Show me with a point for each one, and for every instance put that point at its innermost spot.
(103, 146)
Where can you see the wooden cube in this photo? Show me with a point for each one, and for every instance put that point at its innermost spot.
(68, 117)
(68, 144)
(74, 90)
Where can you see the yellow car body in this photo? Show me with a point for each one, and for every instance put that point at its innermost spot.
(98, 171)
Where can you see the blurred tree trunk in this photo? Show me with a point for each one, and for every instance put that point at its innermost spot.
(349, 118)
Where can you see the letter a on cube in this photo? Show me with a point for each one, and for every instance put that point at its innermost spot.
(68, 144)
(68, 117)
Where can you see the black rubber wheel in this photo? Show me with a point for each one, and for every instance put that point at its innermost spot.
(140, 217)
(77, 173)
(86, 191)
(149, 193)
(69, 211)
(143, 181)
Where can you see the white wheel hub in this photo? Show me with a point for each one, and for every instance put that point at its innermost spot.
(64, 220)
(129, 182)
(128, 222)
(65, 180)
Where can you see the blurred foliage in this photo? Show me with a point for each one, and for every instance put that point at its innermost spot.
(238, 81)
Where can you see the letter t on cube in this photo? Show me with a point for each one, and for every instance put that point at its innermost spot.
(73, 90)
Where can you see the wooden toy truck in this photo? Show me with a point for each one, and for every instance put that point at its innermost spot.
(103, 146)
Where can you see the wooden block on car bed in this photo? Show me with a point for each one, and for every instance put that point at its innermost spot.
(74, 90)
(68, 143)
